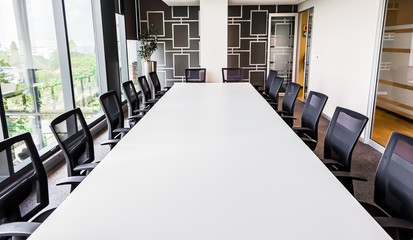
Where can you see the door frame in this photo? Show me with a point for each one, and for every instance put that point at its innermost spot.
(367, 139)
(295, 15)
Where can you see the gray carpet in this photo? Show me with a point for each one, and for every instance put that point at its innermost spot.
(365, 160)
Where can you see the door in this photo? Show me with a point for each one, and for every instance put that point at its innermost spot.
(282, 47)
(306, 20)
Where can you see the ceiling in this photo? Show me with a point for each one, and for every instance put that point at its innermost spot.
(234, 2)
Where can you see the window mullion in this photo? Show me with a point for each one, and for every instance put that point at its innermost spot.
(64, 54)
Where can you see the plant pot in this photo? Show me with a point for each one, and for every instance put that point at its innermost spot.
(147, 67)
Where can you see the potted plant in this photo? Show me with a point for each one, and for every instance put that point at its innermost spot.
(148, 45)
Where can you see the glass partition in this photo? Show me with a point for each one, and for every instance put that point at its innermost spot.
(394, 97)
(282, 47)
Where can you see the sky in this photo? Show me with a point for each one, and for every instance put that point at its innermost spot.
(41, 22)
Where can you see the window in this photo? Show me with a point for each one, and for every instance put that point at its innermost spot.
(83, 56)
(29, 68)
(33, 58)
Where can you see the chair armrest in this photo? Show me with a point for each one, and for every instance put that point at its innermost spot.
(121, 130)
(111, 142)
(86, 166)
(373, 209)
(301, 131)
(140, 111)
(157, 95)
(135, 117)
(151, 101)
(286, 117)
(19, 229)
(148, 105)
(311, 143)
(394, 223)
(73, 180)
(349, 176)
(332, 163)
(282, 112)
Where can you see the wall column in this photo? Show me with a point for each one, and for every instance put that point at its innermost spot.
(214, 35)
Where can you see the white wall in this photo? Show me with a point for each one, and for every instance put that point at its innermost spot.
(344, 51)
(213, 33)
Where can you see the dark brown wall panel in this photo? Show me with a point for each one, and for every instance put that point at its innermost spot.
(252, 54)
(233, 35)
(181, 35)
(131, 16)
(178, 46)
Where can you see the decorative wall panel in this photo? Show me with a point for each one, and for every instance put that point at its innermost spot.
(248, 38)
(178, 38)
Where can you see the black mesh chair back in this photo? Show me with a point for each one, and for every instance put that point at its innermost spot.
(393, 190)
(143, 83)
(155, 81)
(275, 88)
(289, 98)
(131, 97)
(232, 74)
(342, 135)
(113, 111)
(195, 75)
(270, 79)
(23, 183)
(312, 112)
(74, 138)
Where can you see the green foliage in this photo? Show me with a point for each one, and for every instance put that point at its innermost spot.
(49, 85)
(4, 77)
(83, 65)
(149, 43)
(18, 125)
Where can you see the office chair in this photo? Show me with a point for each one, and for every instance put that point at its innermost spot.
(114, 116)
(24, 193)
(310, 116)
(268, 82)
(133, 101)
(148, 100)
(393, 192)
(341, 138)
(232, 75)
(75, 140)
(157, 85)
(273, 92)
(288, 103)
(195, 75)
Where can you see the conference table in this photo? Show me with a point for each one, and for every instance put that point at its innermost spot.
(210, 161)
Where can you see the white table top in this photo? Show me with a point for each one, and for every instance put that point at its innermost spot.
(210, 161)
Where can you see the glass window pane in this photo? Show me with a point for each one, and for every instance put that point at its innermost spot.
(29, 68)
(282, 47)
(394, 98)
(83, 56)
